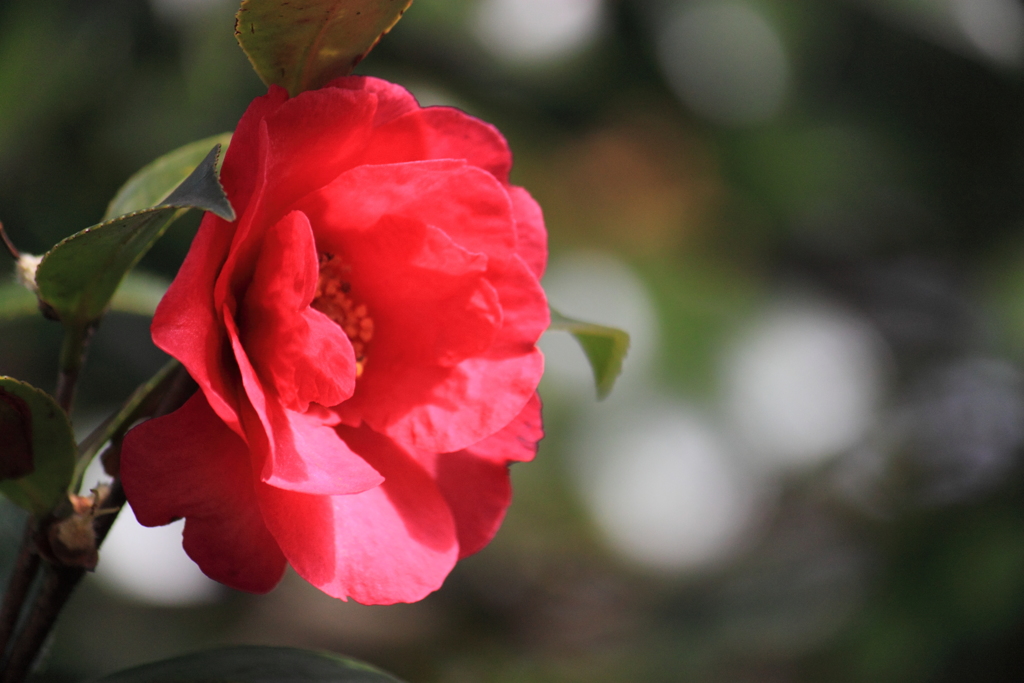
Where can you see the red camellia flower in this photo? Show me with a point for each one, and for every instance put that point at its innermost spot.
(363, 337)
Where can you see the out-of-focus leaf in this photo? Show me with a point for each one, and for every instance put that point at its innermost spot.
(158, 179)
(253, 665)
(16, 301)
(303, 45)
(53, 451)
(139, 293)
(605, 347)
(78, 277)
(701, 303)
(51, 63)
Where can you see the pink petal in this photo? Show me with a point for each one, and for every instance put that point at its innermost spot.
(517, 441)
(297, 148)
(300, 146)
(441, 133)
(314, 459)
(304, 355)
(314, 137)
(467, 204)
(392, 100)
(427, 325)
(189, 464)
(475, 481)
(297, 451)
(531, 235)
(454, 134)
(241, 161)
(428, 297)
(186, 324)
(444, 412)
(478, 492)
(475, 398)
(236, 270)
(394, 543)
(524, 307)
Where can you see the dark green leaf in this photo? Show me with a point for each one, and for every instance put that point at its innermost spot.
(53, 451)
(78, 277)
(253, 665)
(605, 347)
(16, 432)
(303, 45)
(157, 180)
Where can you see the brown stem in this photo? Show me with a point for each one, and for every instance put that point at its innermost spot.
(58, 586)
(25, 569)
(60, 581)
(9, 244)
(181, 389)
(72, 355)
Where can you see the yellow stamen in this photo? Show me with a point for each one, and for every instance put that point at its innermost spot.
(333, 300)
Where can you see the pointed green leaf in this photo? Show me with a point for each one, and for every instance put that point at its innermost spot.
(78, 277)
(158, 179)
(53, 450)
(303, 45)
(605, 347)
(253, 665)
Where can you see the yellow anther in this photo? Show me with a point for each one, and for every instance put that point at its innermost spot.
(333, 300)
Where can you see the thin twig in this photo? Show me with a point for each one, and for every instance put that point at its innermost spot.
(145, 400)
(59, 584)
(9, 244)
(181, 388)
(57, 588)
(72, 355)
(25, 569)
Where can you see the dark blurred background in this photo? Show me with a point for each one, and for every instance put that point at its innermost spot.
(809, 215)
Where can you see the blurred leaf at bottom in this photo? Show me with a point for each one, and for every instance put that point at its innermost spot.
(253, 665)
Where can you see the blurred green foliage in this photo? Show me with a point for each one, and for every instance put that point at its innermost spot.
(890, 183)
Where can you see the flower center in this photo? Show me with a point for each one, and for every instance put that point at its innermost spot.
(333, 300)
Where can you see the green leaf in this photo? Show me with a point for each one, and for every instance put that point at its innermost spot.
(303, 45)
(253, 665)
(53, 451)
(157, 180)
(78, 277)
(605, 347)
